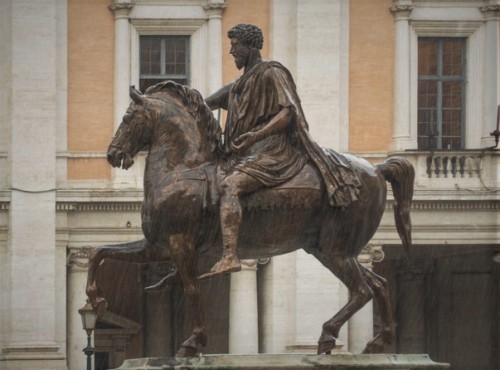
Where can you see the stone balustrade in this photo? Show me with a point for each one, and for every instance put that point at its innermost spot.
(471, 169)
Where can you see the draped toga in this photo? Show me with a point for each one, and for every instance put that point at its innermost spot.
(252, 101)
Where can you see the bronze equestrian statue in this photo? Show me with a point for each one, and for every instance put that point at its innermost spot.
(327, 203)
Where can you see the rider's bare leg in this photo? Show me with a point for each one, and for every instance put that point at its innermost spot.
(231, 189)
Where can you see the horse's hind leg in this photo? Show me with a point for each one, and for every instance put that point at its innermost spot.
(348, 270)
(382, 298)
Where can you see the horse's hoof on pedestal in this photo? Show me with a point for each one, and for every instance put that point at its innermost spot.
(187, 351)
(326, 344)
(376, 345)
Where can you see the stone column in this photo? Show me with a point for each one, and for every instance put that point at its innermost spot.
(278, 303)
(401, 136)
(361, 324)
(214, 10)
(30, 323)
(491, 82)
(121, 10)
(77, 262)
(243, 311)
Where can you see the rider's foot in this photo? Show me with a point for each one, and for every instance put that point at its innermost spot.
(229, 263)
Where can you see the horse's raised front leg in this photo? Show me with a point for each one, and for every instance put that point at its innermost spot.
(382, 298)
(347, 269)
(131, 252)
(183, 252)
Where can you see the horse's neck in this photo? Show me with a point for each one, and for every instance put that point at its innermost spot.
(175, 155)
(180, 146)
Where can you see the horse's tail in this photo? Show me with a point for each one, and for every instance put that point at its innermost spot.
(400, 173)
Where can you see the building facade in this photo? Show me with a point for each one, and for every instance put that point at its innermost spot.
(416, 78)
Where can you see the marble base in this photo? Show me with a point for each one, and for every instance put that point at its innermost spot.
(287, 361)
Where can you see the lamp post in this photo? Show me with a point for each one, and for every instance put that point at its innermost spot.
(89, 318)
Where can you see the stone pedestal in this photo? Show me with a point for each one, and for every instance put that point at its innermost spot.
(287, 362)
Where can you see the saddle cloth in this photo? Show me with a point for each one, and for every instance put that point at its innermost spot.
(302, 190)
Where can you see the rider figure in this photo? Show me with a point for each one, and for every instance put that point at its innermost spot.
(266, 140)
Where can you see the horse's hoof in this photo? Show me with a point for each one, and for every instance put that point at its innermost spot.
(376, 345)
(326, 344)
(187, 351)
(100, 306)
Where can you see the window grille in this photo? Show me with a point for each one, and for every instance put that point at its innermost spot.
(441, 93)
(163, 58)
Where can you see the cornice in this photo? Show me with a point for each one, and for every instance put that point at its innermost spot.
(433, 205)
(417, 205)
(99, 206)
(184, 25)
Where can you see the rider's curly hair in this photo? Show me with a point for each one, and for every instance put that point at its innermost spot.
(248, 34)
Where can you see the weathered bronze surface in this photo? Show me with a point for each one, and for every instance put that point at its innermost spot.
(277, 190)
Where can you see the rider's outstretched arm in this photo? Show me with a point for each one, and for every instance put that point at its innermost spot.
(219, 99)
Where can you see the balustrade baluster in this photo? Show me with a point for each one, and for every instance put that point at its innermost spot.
(437, 162)
(461, 162)
(454, 166)
(445, 166)
(429, 166)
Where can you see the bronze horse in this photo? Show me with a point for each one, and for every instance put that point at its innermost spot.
(180, 218)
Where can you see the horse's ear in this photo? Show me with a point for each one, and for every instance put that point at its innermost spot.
(136, 95)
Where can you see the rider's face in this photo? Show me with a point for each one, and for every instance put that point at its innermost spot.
(240, 52)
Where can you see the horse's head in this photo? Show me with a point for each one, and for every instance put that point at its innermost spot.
(169, 117)
(134, 132)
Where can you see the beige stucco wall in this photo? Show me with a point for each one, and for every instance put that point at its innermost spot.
(90, 86)
(371, 65)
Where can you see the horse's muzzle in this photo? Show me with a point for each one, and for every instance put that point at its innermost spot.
(117, 158)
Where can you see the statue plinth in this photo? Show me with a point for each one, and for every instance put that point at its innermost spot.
(287, 362)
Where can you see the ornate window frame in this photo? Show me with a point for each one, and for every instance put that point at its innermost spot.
(196, 29)
(472, 31)
(445, 18)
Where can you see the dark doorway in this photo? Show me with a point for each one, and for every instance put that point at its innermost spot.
(446, 304)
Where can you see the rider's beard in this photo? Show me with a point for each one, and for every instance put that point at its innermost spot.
(241, 58)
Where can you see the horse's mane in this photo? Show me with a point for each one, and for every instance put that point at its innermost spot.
(195, 105)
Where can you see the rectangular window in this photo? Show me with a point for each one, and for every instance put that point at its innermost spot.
(163, 58)
(441, 93)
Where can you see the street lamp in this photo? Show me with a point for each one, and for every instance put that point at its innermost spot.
(89, 318)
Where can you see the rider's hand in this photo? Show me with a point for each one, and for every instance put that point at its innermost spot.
(244, 141)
